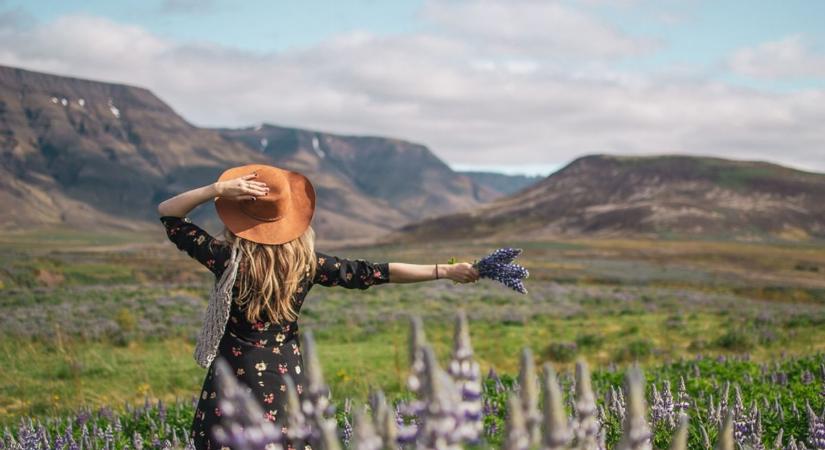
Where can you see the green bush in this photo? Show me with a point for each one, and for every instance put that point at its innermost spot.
(630, 329)
(638, 349)
(593, 341)
(734, 340)
(561, 352)
(125, 320)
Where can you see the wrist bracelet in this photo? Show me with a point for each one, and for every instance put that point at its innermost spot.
(436, 271)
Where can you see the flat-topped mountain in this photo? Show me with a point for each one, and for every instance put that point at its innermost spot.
(655, 196)
(95, 155)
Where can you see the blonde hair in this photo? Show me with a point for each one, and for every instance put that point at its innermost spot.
(270, 275)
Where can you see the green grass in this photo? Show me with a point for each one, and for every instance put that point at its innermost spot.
(98, 322)
(355, 357)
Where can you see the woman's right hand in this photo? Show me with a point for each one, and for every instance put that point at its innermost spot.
(241, 188)
(462, 272)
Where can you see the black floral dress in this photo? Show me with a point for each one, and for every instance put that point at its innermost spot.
(260, 353)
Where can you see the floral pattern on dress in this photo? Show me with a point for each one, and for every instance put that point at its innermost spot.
(261, 353)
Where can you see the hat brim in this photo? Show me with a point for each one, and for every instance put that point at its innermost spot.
(296, 219)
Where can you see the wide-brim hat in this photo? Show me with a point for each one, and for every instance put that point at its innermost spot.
(280, 216)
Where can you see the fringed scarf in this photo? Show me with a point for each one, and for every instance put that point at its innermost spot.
(217, 312)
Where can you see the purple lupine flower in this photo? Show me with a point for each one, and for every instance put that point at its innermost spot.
(347, 431)
(807, 377)
(316, 404)
(636, 434)
(243, 424)
(386, 426)
(297, 427)
(587, 423)
(529, 397)
(683, 400)
(365, 437)
(466, 374)
(517, 436)
(498, 266)
(137, 441)
(82, 417)
(816, 429)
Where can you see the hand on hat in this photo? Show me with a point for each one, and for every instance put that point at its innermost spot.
(241, 188)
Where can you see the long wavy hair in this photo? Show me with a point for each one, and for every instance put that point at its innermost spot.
(270, 275)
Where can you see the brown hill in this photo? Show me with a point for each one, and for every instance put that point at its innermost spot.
(655, 196)
(94, 155)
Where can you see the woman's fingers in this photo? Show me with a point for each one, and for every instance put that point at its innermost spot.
(249, 176)
(255, 191)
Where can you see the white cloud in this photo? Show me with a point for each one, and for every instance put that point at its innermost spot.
(535, 28)
(471, 103)
(790, 57)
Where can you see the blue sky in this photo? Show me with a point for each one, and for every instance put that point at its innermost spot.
(519, 86)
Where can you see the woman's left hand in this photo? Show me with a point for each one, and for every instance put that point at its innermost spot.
(241, 188)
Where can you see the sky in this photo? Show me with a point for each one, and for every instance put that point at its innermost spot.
(515, 86)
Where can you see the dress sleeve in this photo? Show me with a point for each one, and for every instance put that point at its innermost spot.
(197, 243)
(350, 273)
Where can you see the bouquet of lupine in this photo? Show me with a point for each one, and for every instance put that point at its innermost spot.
(499, 266)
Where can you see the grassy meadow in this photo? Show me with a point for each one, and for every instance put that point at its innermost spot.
(90, 320)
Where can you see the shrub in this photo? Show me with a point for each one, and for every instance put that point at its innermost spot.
(589, 341)
(561, 352)
(638, 349)
(125, 320)
(734, 340)
(630, 329)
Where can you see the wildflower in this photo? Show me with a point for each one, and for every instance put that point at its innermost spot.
(498, 266)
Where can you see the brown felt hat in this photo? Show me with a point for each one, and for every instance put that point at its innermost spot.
(280, 216)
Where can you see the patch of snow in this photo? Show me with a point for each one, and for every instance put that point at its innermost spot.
(113, 109)
(64, 101)
(81, 102)
(264, 143)
(317, 147)
(54, 100)
(259, 126)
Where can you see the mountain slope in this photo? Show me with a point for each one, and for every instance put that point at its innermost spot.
(95, 155)
(379, 181)
(92, 154)
(661, 195)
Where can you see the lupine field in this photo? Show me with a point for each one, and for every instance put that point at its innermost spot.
(615, 344)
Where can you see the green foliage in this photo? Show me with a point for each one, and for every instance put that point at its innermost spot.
(589, 340)
(735, 340)
(635, 350)
(125, 320)
(561, 352)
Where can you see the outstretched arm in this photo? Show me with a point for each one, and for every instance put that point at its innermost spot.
(361, 274)
(462, 272)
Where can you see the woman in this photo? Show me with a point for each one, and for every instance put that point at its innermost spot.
(264, 267)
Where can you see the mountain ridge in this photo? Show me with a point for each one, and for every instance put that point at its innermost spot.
(650, 196)
(100, 155)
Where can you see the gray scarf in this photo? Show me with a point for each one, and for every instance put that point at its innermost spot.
(217, 312)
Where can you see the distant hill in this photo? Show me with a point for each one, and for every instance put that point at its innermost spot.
(94, 155)
(652, 196)
(500, 183)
